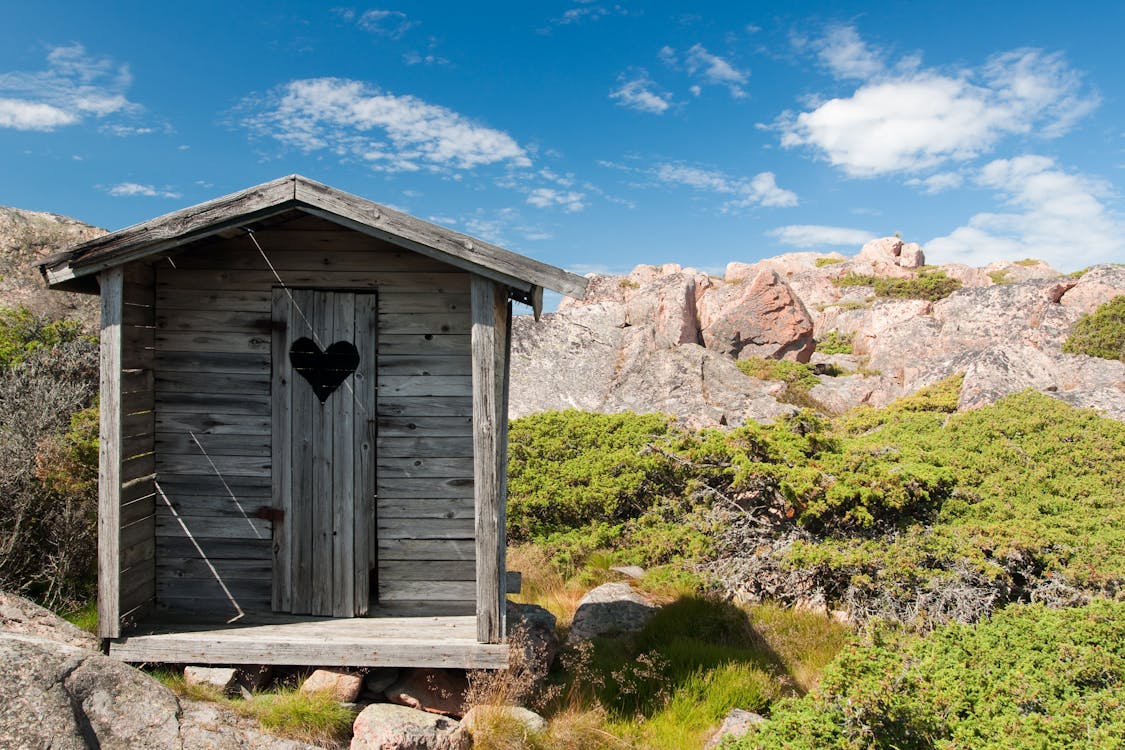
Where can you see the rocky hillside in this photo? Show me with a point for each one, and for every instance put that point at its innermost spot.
(27, 236)
(667, 338)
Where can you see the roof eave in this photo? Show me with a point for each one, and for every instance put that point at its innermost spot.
(271, 198)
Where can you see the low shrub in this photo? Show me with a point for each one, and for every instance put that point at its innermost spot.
(1029, 677)
(822, 262)
(928, 284)
(48, 460)
(1100, 333)
(834, 342)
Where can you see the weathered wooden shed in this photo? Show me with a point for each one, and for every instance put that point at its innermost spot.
(303, 428)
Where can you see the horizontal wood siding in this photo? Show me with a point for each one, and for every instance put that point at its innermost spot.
(137, 517)
(212, 429)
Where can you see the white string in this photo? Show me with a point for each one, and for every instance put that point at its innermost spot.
(202, 554)
(225, 485)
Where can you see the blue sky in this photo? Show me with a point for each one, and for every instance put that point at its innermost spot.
(593, 135)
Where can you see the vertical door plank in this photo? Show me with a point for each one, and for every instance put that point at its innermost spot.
(342, 411)
(303, 443)
(322, 320)
(281, 451)
(363, 495)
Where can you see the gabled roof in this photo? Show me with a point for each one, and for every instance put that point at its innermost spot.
(75, 268)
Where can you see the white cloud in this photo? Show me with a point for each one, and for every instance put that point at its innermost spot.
(761, 189)
(393, 133)
(131, 189)
(846, 55)
(715, 70)
(816, 235)
(638, 92)
(1056, 216)
(74, 85)
(389, 23)
(570, 201)
(937, 183)
(910, 119)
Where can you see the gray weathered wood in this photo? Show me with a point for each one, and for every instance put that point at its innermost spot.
(488, 302)
(109, 455)
(364, 378)
(439, 642)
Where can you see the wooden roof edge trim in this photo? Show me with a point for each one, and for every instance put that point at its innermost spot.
(180, 223)
(397, 224)
(294, 191)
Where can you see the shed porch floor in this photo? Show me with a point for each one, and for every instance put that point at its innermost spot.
(295, 640)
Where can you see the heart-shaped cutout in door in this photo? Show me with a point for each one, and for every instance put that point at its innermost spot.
(325, 370)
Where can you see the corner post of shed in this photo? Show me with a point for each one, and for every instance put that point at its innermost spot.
(490, 333)
(109, 452)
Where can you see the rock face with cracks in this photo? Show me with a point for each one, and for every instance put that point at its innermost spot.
(59, 693)
(667, 338)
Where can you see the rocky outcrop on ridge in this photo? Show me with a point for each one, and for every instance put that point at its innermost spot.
(667, 338)
(27, 237)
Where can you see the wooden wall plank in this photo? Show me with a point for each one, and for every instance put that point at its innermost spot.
(424, 426)
(341, 409)
(109, 454)
(486, 340)
(391, 468)
(424, 447)
(459, 386)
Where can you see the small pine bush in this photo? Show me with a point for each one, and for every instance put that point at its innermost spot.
(1100, 333)
(834, 342)
(1030, 677)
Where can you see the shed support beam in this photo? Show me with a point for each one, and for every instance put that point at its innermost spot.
(491, 325)
(109, 454)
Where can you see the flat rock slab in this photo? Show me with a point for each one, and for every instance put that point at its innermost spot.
(18, 615)
(479, 717)
(386, 726)
(610, 608)
(439, 691)
(736, 724)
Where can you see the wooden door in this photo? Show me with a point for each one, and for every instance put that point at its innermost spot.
(323, 354)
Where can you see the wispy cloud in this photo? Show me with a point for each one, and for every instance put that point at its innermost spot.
(393, 133)
(816, 235)
(587, 10)
(760, 190)
(132, 189)
(1056, 215)
(389, 23)
(937, 183)
(74, 86)
(570, 201)
(716, 70)
(637, 91)
(708, 68)
(910, 119)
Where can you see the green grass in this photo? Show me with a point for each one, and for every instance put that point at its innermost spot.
(672, 683)
(822, 262)
(85, 617)
(999, 277)
(316, 718)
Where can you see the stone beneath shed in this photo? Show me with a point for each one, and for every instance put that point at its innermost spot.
(385, 725)
(344, 686)
(736, 724)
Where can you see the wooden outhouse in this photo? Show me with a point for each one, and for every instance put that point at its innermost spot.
(303, 427)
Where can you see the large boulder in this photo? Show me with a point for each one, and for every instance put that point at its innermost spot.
(608, 609)
(891, 251)
(58, 692)
(760, 317)
(386, 726)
